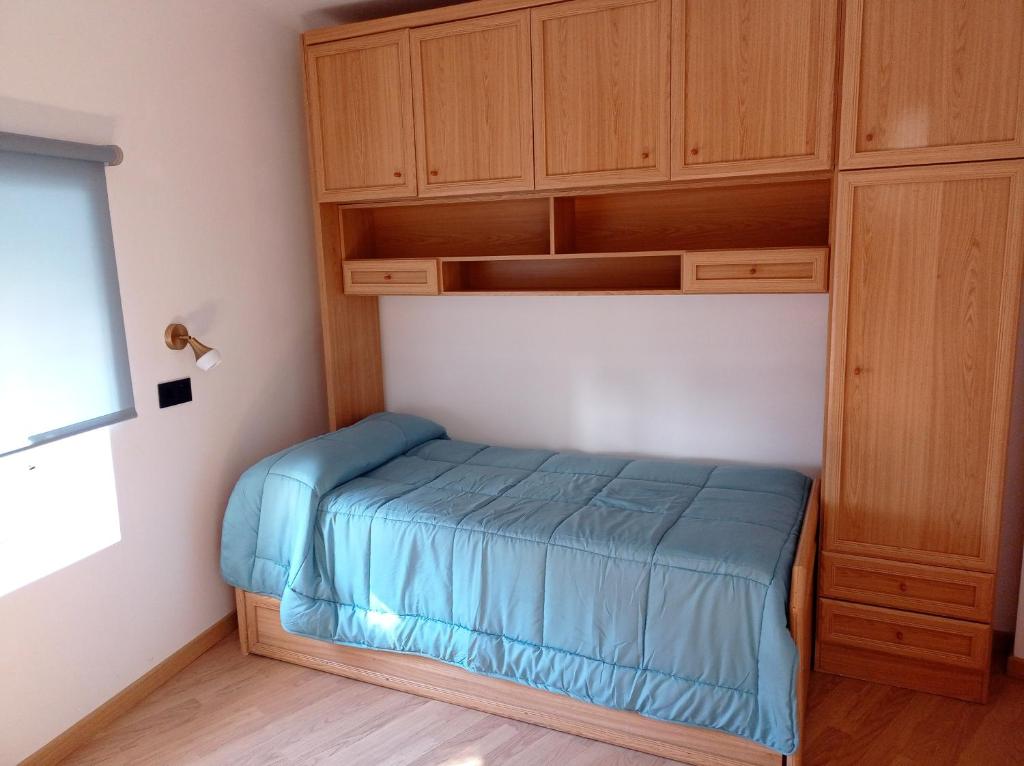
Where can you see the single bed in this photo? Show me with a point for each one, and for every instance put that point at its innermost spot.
(560, 581)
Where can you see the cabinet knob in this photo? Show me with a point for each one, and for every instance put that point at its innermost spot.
(869, 137)
(433, 172)
(903, 587)
(899, 635)
(753, 270)
(398, 174)
(645, 155)
(694, 151)
(387, 277)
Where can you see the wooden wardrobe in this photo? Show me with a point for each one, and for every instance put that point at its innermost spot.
(869, 147)
(926, 286)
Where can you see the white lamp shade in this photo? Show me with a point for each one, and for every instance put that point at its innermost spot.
(209, 360)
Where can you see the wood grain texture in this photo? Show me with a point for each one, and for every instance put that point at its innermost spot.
(436, 680)
(932, 81)
(359, 108)
(767, 270)
(752, 86)
(926, 272)
(474, 105)
(379, 277)
(229, 708)
(508, 227)
(576, 274)
(601, 92)
(899, 633)
(351, 332)
(914, 587)
(1015, 667)
(801, 615)
(58, 749)
(781, 214)
(820, 176)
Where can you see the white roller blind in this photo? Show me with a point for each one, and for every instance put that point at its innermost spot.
(63, 357)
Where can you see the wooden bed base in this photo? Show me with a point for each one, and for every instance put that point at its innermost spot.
(260, 632)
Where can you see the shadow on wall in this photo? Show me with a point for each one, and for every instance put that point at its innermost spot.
(361, 10)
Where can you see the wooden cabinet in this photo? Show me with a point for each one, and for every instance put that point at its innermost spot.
(932, 81)
(752, 86)
(360, 117)
(601, 92)
(472, 92)
(926, 287)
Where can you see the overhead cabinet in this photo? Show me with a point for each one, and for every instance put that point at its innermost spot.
(360, 117)
(474, 118)
(572, 95)
(601, 92)
(752, 85)
(932, 81)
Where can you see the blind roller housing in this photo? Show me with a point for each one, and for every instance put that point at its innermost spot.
(63, 358)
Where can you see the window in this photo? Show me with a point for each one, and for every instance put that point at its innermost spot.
(63, 358)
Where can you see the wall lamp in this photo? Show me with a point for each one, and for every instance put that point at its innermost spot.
(176, 337)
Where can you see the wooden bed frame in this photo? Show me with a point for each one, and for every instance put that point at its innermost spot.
(260, 632)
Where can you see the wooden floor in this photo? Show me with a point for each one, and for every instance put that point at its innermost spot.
(217, 712)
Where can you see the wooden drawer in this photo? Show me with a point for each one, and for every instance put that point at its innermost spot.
(777, 270)
(398, 277)
(916, 587)
(915, 636)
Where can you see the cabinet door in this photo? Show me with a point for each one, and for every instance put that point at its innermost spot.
(926, 286)
(752, 86)
(932, 81)
(360, 114)
(474, 124)
(601, 92)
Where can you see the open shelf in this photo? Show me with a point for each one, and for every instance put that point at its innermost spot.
(778, 214)
(453, 230)
(640, 273)
(741, 236)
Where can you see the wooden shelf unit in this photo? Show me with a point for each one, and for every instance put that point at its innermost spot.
(769, 236)
(641, 273)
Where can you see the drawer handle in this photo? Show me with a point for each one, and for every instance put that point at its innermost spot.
(387, 277)
(753, 270)
(398, 174)
(433, 172)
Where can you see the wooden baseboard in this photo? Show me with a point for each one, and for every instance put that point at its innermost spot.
(64, 744)
(1015, 667)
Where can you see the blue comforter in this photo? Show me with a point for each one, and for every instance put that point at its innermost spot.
(644, 585)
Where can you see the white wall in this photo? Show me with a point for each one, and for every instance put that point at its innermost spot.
(730, 377)
(211, 226)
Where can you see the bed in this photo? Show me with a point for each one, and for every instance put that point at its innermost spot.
(659, 605)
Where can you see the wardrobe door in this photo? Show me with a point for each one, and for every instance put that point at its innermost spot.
(472, 91)
(360, 117)
(929, 81)
(926, 288)
(752, 86)
(601, 92)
